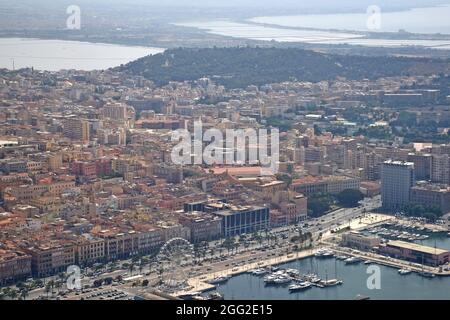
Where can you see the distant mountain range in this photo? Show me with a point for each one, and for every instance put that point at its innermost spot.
(240, 67)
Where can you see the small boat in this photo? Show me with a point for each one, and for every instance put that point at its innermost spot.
(404, 271)
(274, 269)
(352, 260)
(300, 286)
(323, 253)
(361, 297)
(313, 278)
(319, 254)
(190, 296)
(328, 254)
(282, 280)
(292, 272)
(367, 262)
(219, 280)
(215, 296)
(259, 272)
(331, 282)
(426, 274)
(342, 257)
(269, 279)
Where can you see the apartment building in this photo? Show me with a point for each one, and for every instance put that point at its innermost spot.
(14, 265)
(397, 179)
(50, 257)
(432, 195)
(240, 220)
(203, 226)
(324, 184)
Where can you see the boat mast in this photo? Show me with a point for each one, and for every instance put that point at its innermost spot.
(335, 268)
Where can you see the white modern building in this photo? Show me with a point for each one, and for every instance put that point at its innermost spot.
(397, 179)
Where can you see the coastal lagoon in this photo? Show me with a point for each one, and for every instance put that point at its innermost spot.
(54, 55)
(265, 33)
(337, 28)
(417, 20)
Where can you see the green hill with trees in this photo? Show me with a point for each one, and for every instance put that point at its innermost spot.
(242, 66)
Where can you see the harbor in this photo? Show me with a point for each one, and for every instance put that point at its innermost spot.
(354, 283)
(330, 271)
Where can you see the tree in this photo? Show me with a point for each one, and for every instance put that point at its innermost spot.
(228, 244)
(13, 294)
(349, 198)
(131, 268)
(24, 293)
(48, 288)
(319, 204)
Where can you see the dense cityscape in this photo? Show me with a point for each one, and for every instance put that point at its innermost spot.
(94, 206)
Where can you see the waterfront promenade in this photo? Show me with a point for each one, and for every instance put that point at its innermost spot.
(200, 284)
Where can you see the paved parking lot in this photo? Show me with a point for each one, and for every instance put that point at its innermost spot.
(99, 294)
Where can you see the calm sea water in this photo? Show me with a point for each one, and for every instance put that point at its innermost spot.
(393, 285)
(53, 55)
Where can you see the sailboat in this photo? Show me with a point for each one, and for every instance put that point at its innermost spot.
(424, 273)
(331, 282)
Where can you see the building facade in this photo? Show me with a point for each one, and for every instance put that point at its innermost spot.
(397, 179)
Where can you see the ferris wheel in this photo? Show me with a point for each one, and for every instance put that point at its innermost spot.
(173, 258)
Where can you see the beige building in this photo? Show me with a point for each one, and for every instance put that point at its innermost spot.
(51, 257)
(357, 240)
(77, 129)
(14, 265)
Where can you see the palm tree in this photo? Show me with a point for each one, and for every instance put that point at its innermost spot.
(259, 238)
(58, 285)
(48, 288)
(13, 294)
(160, 273)
(141, 267)
(236, 246)
(24, 293)
(131, 268)
(62, 279)
(228, 244)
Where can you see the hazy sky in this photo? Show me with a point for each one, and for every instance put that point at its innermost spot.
(326, 4)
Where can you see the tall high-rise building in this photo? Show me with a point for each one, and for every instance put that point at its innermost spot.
(397, 179)
(422, 165)
(115, 111)
(440, 172)
(77, 129)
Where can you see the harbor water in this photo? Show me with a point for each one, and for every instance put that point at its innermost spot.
(393, 286)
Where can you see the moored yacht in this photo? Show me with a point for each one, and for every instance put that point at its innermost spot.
(331, 282)
(352, 260)
(218, 280)
(404, 271)
(300, 286)
(259, 272)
